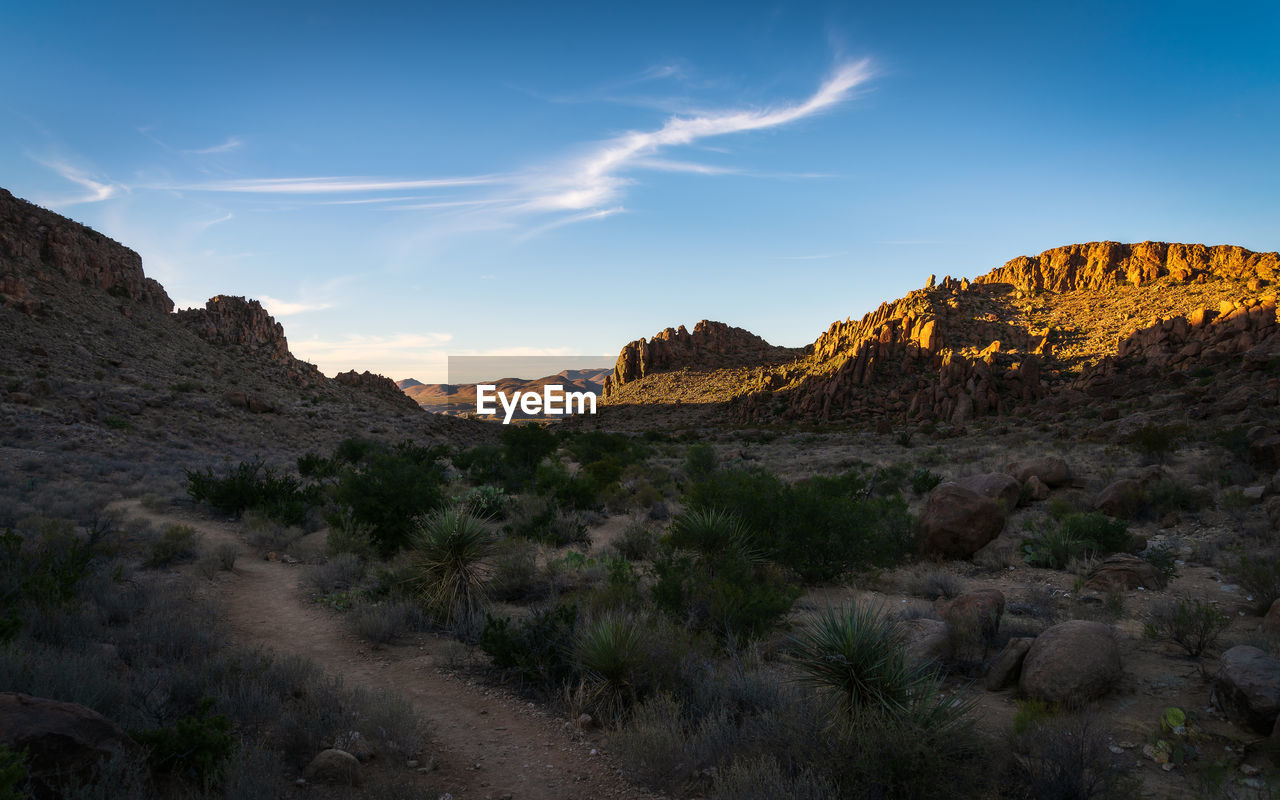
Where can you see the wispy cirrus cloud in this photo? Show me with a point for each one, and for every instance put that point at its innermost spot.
(98, 190)
(284, 308)
(330, 185)
(232, 143)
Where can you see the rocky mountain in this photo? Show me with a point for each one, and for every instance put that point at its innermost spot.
(1074, 327)
(460, 399)
(96, 363)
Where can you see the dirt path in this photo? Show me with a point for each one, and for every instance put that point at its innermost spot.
(486, 744)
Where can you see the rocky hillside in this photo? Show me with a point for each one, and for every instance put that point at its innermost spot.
(1073, 327)
(96, 363)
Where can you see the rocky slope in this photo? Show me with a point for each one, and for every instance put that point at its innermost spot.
(95, 363)
(1039, 336)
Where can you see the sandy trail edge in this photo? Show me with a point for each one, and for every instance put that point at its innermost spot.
(486, 744)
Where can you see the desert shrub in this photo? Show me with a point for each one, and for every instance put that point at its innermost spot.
(226, 553)
(539, 648)
(1259, 575)
(1066, 757)
(448, 556)
(711, 575)
(251, 485)
(42, 564)
(553, 481)
(1165, 496)
(196, 748)
(341, 572)
(486, 465)
(820, 528)
(526, 445)
(637, 542)
(13, 774)
(487, 501)
(1077, 535)
(610, 661)
(765, 779)
(513, 572)
(538, 519)
(388, 488)
(1194, 625)
(348, 535)
(700, 461)
(1156, 442)
(932, 584)
(923, 480)
(384, 622)
(589, 446)
(176, 543)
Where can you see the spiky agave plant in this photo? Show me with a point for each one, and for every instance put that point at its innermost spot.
(857, 653)
(449, 570)
(714, 532)
(609, 653)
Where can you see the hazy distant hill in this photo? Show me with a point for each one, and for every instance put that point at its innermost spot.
(455, 399)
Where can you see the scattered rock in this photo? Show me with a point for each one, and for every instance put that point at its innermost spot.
(1247, 688)
(925, 640)
(1037, 489)
(1007, 665)
(1052, 470)
(1120, 498)
(333, 767)
(1071, 662)
(1123, 571)
(957, 522)
(61, 739)
(996, 485)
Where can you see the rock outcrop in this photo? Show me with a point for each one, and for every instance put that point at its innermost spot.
(62, 740)
(1247, 688)
(41, 245)
(711, 345)
(245, 325)
(376, 384)
(957, 522)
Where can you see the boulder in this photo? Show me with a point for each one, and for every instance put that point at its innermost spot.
(333, 767)
(1006, 666)
(978, 610)
(1123, 571)
(1037, 489)
(957, 522)
(1003, 551)
(1072, 662)
(925, 640)
(1264, 452)
(1247, 688)
(996, 485)
(1271, 620)
(61, 739)
(1052, 470)
(1120, 498)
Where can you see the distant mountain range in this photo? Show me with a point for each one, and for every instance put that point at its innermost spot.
(460, 398)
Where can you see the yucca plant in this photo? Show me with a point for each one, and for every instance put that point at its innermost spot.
(857, 653)
(713, 532)
(449, 571)
(609, 655)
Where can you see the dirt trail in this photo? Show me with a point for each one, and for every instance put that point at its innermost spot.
(486, 744)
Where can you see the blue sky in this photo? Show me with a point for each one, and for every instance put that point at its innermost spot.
(404, 182)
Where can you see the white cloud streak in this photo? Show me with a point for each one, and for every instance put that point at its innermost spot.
(284, 308)
(232, 143)
(332, 185)
(97, 190)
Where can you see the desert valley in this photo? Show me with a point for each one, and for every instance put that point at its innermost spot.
(1013, 534)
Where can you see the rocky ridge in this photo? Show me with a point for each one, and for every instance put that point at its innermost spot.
(1039, 335)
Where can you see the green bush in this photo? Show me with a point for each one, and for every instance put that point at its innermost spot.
(1156, 442)
(1194, 625)
(195, 749)
(710, 575)
(700, 461)
(389, 487)
(526, 445)
(250, 485)
(42, 565)
(176, 543)
(1077, 534)
(13, 774)
(923, 480)
(1259, 574)
(590, 446)
(487, 501)
(820, 528)
(539, 648)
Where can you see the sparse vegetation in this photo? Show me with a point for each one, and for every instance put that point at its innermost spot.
(1195, 625)
(449, 573)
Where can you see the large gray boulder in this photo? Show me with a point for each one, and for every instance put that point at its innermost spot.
(61, 739)
(1247, 688)
(957, 522)
(1072, 662)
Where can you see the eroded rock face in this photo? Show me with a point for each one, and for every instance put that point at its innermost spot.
(61, 739)
(957, 522)
(378, 384)
(245, 325)
(1099, 265)
(1247, 688)
(1071, 662)
(32, 238)
(711, 345)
